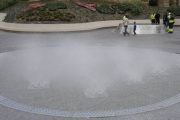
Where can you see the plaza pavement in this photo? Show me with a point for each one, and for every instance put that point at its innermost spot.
(10, 42)
(103, 38)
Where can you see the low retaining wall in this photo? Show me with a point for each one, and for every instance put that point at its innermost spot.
(65, 27)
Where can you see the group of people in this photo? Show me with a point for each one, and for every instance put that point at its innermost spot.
(125, 24)
(155, 18)
(168, 20)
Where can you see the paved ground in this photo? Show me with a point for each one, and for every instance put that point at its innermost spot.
(131, 93)
(66, 27)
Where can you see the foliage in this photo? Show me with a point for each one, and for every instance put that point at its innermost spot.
(153, 2)
(177, 11)
(135, 7)
(53, 6)
(82, 14)
(35, 5)
(44, 0)
(171, 9)
(7, 3)
(95, 1)
(40, 14)
(104, 8)
(89, 6)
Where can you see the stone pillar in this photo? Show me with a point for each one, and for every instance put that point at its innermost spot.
(178, 2)
(173, 2)
(166, 3)
(145, 1)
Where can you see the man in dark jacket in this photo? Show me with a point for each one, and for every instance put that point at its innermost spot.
(157, 17)
(165, 19)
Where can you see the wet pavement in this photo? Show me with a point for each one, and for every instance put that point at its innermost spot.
(90, 71)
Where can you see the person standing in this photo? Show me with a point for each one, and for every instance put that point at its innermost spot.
(120, 23)
(134, 29)
(124, 17)
(157, 17)
(165, 18)
(171, 23)
(153, 18)
(168, 17)
(126, 23)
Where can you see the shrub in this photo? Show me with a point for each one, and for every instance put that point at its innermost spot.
(36, 5)
(44, 0)
(136, 7)
(53, 6)
(177, 11)
(104, 8)
(61, 5)
(171, 9)
(38, 15)
(51, 18)
(118, 8)
(7, 3)
(153, 2)
(27, 19)
(18, 16)
(31, 19)
(86, 5)
(41, 18)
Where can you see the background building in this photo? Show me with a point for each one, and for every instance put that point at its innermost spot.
(165, 3)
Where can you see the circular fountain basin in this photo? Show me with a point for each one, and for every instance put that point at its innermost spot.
(88, 78)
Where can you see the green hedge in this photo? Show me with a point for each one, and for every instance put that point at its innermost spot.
(135, 7)
(175, 10)
(104, 8)
(53, 6)
(7, 3)
(171, 9)
(40, 14)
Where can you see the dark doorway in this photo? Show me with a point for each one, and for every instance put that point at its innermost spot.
(177, 2)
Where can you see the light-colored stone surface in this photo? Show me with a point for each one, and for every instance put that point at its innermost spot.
(100, 38)
(2, 16)
(65, 27)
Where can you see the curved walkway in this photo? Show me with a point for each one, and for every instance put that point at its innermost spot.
(65, 27)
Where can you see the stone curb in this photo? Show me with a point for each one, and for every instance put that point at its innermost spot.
(65, 27)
